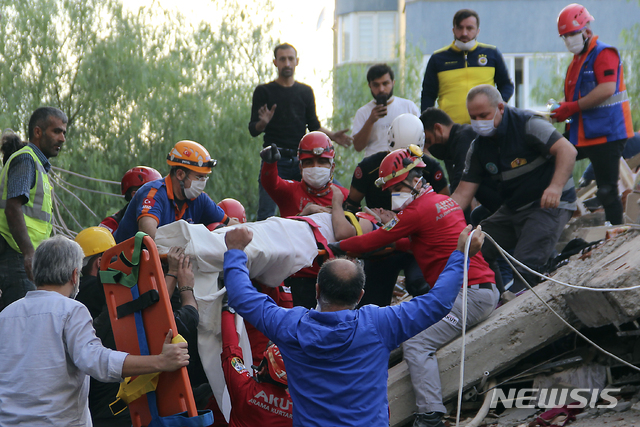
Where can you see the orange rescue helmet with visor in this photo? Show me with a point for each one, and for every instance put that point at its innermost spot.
(192, 156)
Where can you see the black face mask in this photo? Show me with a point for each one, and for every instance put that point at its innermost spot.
(439, 151)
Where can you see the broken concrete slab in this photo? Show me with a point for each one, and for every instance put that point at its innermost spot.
(524, 325)
(514, 415)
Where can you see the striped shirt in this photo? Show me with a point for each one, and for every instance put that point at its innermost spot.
(22, 173)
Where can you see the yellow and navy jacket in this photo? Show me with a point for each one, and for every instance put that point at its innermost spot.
(451, 72)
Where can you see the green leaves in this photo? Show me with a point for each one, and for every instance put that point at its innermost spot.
(132, 85)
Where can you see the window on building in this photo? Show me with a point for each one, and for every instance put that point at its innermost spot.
(367, 36)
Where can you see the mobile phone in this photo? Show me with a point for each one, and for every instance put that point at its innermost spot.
(381, 99)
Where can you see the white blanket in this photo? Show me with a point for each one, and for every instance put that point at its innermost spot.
(280, 247)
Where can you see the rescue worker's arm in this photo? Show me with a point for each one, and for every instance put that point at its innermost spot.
(400, 322)
(149, 225)
(594, 98)
(565, 154)
(236, 375)
(18, 229)
(354, 199)
(464, 193)
(406, 222)
(173, 357)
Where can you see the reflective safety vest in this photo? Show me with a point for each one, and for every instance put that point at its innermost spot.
(37, 211)
(609, 121)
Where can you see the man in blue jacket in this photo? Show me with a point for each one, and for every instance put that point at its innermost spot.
(337, 357)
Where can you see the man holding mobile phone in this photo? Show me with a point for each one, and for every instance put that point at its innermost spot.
(373, 119)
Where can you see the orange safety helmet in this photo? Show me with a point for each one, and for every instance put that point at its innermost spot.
(191, 155)
(137, 177)
(233, 209)
(573, 18)
(275, 364)
(316, 144)
(396, 166)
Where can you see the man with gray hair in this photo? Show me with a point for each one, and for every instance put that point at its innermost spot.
(533, 165)
(25, 201)
(49, 347)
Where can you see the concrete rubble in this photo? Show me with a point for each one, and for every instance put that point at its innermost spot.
(525, 325)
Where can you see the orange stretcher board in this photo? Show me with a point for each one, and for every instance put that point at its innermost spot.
(173, 392)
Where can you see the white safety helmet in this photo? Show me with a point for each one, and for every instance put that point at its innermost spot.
(406, 129)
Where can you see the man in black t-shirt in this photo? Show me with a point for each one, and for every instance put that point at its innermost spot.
(284, 109)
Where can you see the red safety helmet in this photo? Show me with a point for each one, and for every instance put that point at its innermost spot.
(573, 18)
(137, 177)
(316, 144)
(233, 209)
(396, 166)
(275, 364)
(191, 155)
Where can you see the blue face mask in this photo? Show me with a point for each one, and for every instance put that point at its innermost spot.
(485, 127)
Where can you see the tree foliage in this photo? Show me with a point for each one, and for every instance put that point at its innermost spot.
(351, 92)
(132, 85)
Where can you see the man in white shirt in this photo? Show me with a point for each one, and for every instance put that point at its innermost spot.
(49, 347)
(373, 119)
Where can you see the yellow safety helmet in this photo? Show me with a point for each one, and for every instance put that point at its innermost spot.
(191, 155)
(95, 240)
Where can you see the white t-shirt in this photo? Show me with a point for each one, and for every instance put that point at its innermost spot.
(378, 138)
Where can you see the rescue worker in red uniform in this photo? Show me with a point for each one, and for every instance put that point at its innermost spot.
(255, 400)
(311, 195)
(596, 101)
(132, 180)
(433, 222)
(316, 154)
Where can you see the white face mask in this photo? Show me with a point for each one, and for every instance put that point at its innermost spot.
(197, 187)
(484, 127)
(574, 43)
(400, 200)
(316, 177)
(465, 45)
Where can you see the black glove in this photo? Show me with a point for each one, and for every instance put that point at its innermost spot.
(270, 154)
(335, 248)
(351, 206)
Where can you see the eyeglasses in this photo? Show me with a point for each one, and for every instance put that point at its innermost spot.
(198, 178)
(573, 33)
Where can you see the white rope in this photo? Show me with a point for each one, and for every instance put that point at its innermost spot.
(585, 288)
(69, 212)
(465, 281)
(508, 257)
(84, 176)
(59, 180)
(503, 252)
(59, 218)
(78, 199)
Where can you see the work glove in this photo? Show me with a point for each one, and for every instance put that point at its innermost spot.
(270, 154)
(335, 248)
(565, 110)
